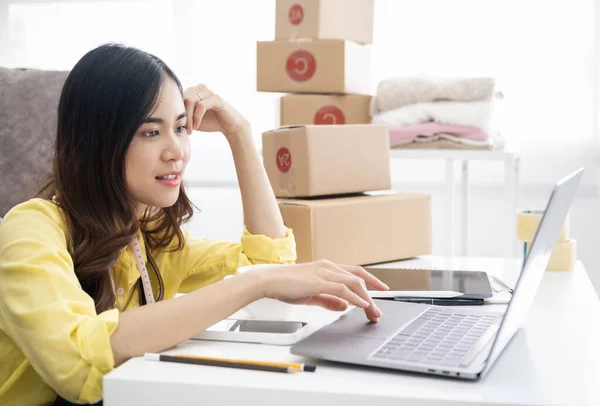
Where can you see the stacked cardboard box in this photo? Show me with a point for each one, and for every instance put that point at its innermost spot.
(333, 180)
(321, 55)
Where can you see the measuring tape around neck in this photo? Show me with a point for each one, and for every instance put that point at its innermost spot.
(141, 265)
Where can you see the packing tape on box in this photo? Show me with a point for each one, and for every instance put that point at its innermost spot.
(528, 222)
(563, 256)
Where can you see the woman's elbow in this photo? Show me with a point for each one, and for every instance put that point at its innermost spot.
(82, 386)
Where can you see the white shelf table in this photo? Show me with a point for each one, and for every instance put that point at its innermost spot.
(510, 157)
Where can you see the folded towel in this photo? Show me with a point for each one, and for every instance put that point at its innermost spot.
(398, 92)
(448, 141)
(442, 143)
(422, 139)
(409, 133)
(473, 114)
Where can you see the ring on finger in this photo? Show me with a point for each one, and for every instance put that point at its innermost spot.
(199, 96)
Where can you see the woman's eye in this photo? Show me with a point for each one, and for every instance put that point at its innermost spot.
(181, 129)
(151, 134)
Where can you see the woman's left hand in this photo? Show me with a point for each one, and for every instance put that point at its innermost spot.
(206, 111)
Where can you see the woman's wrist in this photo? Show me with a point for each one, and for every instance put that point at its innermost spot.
(240, 136)
(257, 281)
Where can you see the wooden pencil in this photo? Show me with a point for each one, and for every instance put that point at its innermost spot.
(219, 363)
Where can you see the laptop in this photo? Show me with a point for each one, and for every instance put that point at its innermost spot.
(440, 340)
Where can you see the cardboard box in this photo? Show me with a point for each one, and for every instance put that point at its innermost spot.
(320, 66)
(300, 109)
(360, 230)
(317, 160)
(325, 19)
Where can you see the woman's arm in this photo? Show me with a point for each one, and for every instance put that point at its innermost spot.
(158, 326)
(162, 325)
(40, 293)
(261, 212)
(206, 111)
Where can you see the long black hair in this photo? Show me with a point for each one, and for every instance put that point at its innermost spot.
(105, 99)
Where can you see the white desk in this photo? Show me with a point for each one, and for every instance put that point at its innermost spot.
(511, 179)
(553, 360)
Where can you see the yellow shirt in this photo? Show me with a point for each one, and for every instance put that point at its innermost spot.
(51, 338)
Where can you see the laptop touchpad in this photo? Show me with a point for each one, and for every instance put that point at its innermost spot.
(354, 323)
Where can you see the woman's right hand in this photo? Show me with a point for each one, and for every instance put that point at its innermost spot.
(322, 283)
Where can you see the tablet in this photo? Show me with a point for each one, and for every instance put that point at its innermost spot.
(431, 283)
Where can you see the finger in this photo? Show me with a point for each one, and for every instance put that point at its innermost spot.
(203, 106)
(353, 270)
(196, 93)
(328, 302)
(191, 97)
(199, 111)
(357, 285)
(371, 317)
(355, 282)
(359, 271)
(347, 270)
(342, 291)
(189, 112)
(364, 274)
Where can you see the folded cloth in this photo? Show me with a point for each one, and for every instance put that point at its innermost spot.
(409, 133)
(473, 114)
(448, 141)
(398, 92)
(443, 144)
(430, 138)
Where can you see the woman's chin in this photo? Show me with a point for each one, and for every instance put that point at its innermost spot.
(165, 202)
(168, 203)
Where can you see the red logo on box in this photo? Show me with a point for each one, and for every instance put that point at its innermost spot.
(301, 65)
(296, 14)
(329, 115)
(284, 159)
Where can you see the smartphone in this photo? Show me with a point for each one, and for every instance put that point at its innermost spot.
(277, 332)
(431, 283)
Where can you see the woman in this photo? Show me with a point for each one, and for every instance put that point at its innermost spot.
(86, 269)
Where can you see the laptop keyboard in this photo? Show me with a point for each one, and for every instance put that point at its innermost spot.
(438, 337)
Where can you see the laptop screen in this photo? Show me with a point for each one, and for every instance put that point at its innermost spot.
(536, 262)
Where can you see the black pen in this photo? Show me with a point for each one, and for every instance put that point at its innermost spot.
(441, 301)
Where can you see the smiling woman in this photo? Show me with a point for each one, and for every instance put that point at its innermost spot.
(76, 297)
(159, 152)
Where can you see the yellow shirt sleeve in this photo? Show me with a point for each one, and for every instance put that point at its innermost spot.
(202, 262)
(43, 308)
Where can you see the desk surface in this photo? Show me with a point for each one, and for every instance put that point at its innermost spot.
(552, 360)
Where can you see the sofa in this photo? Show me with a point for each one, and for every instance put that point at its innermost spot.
(28, 109)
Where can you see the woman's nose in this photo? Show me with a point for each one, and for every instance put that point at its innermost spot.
(174, 150)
